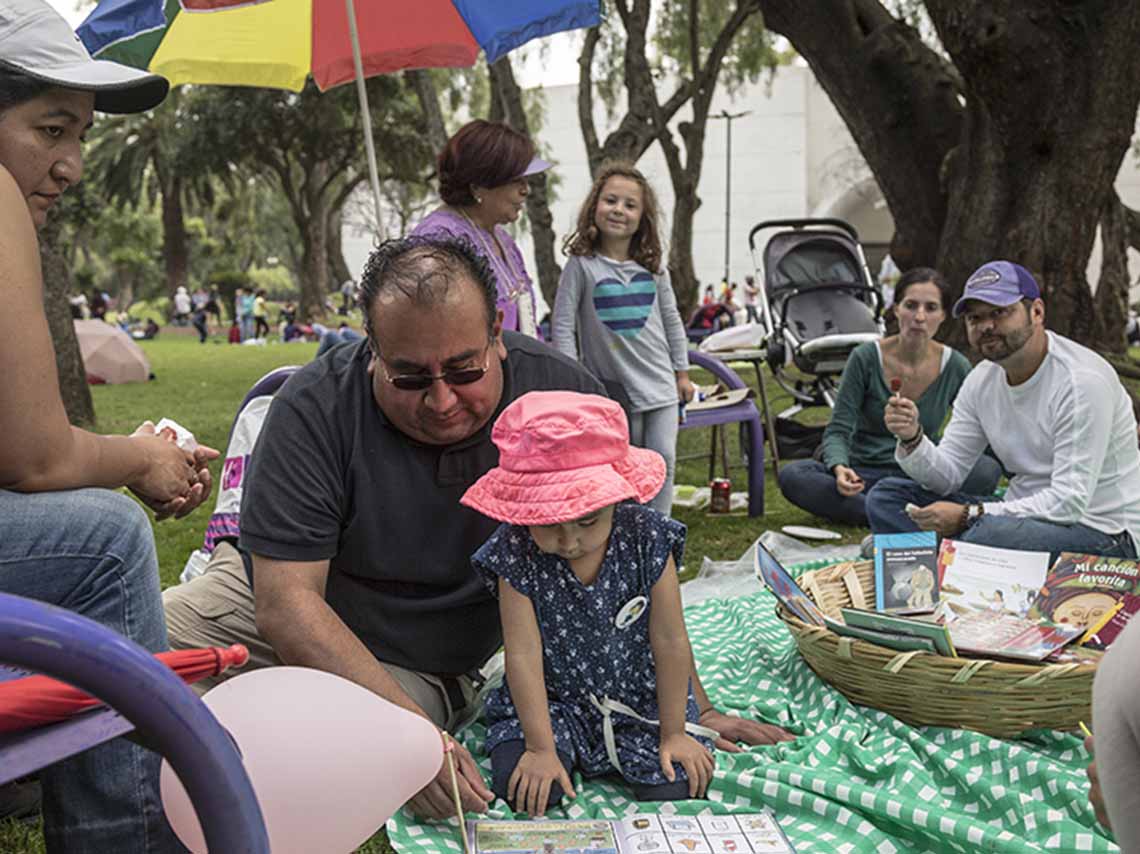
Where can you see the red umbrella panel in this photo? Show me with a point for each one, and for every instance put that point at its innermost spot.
(38, 700)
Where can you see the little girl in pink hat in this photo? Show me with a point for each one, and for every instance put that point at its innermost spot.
(597, 656)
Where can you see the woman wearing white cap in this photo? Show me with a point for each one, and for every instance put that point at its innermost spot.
(65, 537)
(483, 173)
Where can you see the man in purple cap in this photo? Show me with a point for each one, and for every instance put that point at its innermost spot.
(1055, 415)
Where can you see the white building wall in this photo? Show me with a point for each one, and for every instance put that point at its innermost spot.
(792, 156)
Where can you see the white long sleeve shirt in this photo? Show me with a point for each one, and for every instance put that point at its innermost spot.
(1067, 436)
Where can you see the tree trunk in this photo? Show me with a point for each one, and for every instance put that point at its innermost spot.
(314, 249)
(175, 253)
(68, 362)
(1051, 101)
(1022, 166)
(1111, 299)
(537, 203)
(645, 117)
(339, 271)
(898, 98)
(429, 103)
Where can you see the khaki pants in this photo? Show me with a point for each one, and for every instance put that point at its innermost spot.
(216, 609)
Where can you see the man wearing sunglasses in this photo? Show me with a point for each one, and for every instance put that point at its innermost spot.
(351, 506)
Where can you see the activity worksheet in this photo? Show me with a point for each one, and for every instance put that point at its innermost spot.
(758, 833)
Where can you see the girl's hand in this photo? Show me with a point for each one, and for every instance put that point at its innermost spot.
(685, 388)
(694, 758)
(847, 482)
(529, 786)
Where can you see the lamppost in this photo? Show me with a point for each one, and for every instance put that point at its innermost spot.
(728, 117)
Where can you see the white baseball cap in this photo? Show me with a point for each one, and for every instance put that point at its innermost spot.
(35, 40)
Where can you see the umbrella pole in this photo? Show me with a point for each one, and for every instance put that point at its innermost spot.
(369, 146)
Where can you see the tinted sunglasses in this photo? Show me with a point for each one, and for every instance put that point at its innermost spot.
(451, 376)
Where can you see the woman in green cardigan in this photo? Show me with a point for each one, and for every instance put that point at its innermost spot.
(857, 449)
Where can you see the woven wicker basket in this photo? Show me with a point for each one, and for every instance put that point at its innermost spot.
(995, 697)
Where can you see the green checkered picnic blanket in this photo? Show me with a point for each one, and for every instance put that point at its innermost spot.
(855, 780)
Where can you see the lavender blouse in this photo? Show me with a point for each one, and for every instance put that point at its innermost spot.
(516, 290)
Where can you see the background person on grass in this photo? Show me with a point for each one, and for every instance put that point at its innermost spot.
(857, 449)
(615, 311)
(1055, 415)
(361, 549)
(65, 537)
(483, 173)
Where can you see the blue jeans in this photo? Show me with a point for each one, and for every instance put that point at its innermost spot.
(886, 501)
(656, 429)
(809, 485)
(92, 551)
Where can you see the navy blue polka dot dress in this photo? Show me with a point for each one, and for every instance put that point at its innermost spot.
(584, 651)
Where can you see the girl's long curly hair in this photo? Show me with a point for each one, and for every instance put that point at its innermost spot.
(645, 247)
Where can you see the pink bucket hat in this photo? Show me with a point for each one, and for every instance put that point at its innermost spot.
(563, 455)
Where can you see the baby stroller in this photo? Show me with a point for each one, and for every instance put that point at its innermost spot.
(817, 305)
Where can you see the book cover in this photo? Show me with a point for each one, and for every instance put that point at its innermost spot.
(1082, 590)
(891, 640)
(905, 578)
(784, 587)
(757, 833)
(1101, 637)
(995, 635)
(892, 624)
(977, 579)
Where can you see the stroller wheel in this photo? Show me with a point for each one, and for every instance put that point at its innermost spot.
(776, 352)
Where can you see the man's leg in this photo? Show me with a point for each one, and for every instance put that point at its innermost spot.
(887, 498)
(92, 551)
(1013, 532)
(1116, 732)
(216, 609)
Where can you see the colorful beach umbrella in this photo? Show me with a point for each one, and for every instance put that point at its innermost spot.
(278, 43)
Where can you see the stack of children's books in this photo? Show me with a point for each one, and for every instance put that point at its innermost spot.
(963, 599)
(757, 833)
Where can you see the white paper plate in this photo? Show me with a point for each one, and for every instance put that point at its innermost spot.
(810, 533)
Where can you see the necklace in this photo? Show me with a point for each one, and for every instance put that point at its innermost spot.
(517, 290)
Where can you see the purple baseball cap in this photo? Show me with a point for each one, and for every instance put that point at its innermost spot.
(533, 168)
(998, 283)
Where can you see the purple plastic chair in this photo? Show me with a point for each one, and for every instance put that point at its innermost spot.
(743, 413)
(168, 716)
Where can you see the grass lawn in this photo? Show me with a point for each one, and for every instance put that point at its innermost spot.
(200, 386)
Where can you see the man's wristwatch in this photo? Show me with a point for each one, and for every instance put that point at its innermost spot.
(974, 512)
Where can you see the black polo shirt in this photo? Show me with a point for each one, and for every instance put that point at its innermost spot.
(331, 478)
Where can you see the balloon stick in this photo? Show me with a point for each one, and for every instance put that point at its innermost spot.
(449, 752)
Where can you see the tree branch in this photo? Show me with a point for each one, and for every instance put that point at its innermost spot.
(586, 97)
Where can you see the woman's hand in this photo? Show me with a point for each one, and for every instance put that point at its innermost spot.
(173, 482)
(529, 786)
(847, 482)
(1096, 796)
(692, 756)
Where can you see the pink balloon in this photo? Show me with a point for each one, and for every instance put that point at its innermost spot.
(329, 760)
